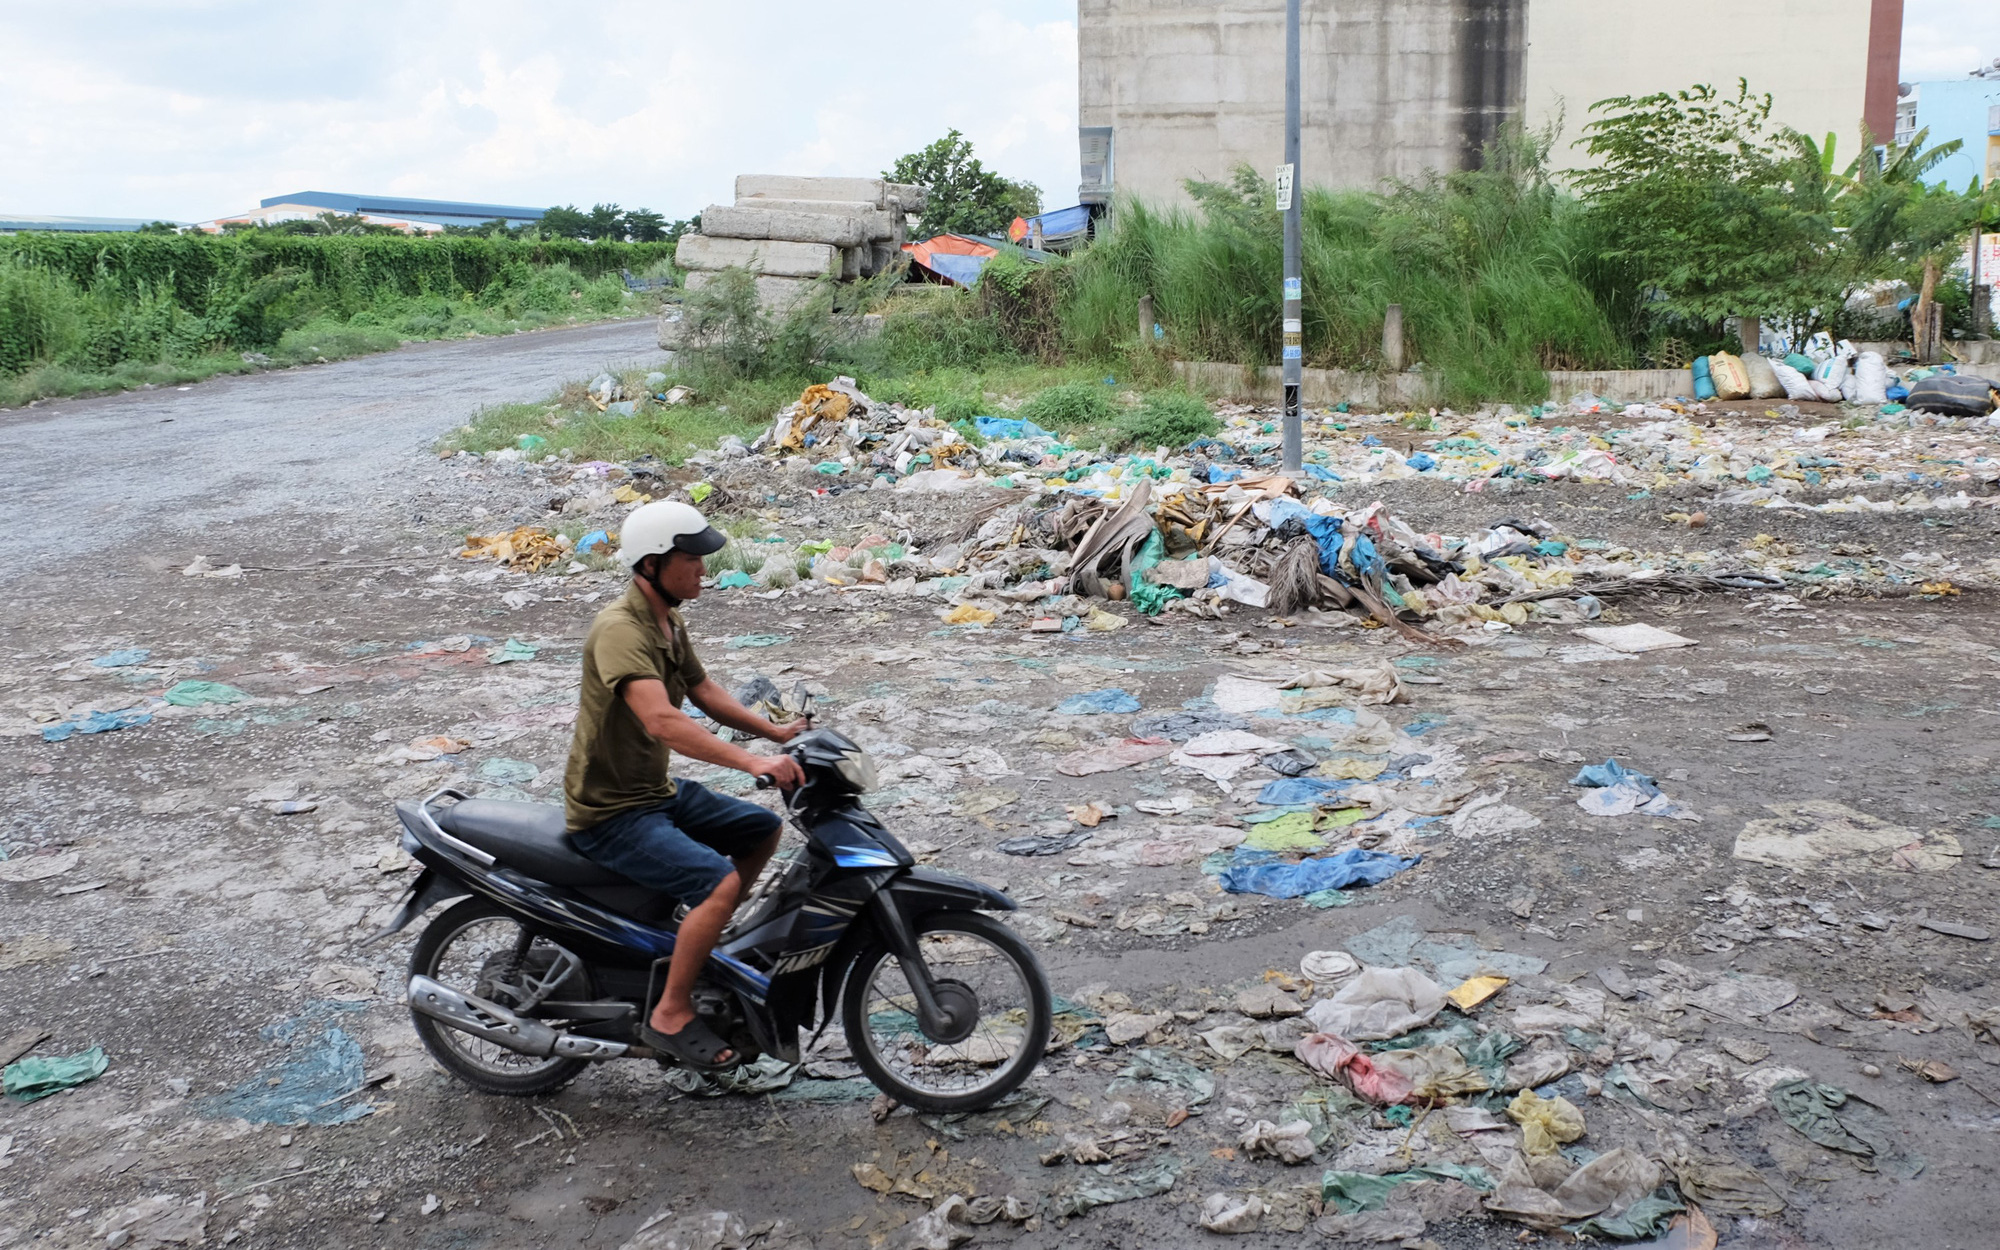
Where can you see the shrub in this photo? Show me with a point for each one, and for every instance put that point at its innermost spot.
(940, 328)
(1170, 419)
(1069, 405)
(729, 334)
(41, 317)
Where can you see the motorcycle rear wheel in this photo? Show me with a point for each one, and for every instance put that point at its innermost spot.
(449, 944)
(974, 957)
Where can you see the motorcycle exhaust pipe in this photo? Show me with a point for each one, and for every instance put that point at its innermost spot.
(470, 1014)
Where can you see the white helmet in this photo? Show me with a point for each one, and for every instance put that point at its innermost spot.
(654, 529)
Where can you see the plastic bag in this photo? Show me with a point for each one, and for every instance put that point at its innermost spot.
(1545, 1122)
(1380, 1002)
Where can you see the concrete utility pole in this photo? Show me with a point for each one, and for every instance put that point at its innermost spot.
(1290, 195)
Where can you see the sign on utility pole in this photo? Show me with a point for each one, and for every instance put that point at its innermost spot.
(1288, 204)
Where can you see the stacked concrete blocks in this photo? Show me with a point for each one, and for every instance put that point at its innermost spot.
(793, 232)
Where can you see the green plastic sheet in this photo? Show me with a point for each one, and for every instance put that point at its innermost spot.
(1145, 596)
(38, 1076)
(197, 693)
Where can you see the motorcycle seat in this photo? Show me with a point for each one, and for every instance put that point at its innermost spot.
(528, 837)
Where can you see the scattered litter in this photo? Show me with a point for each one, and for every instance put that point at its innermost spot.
(1635, 639)
(1328, 967)
(1822, 834)
(123, 659)
(96, 723)
(1227, 1213)
(1115, 1187)
(1617, 791)
(1838, 1120)
(38, 1076)
(201, 693)
(510, 652)
(527, 547)
(1097, 701)
(1312, 876)
(1113, 756)
(1378, 1003)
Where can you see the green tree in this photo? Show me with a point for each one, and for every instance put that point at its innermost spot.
(606, 223)
(645, 226)
(566, 221)
(1702, 200)
(159, 227)
(964, 196)
(1900, 227)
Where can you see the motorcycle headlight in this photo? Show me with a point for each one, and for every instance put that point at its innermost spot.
(857, 770)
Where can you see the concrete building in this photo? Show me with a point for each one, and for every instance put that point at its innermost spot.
(1177, 89)
(1966, 109)
(411, 216)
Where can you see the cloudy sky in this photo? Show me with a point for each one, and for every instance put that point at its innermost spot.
(189, 110)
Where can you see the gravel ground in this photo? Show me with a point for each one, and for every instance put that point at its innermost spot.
(206, 941)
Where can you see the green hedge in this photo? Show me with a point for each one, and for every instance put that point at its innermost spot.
(348, 272)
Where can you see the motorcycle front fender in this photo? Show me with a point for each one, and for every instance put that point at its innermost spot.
(923, 890)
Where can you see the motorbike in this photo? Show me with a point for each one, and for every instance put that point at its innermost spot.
(547, 963)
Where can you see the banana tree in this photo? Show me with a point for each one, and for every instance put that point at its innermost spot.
(1899, 225)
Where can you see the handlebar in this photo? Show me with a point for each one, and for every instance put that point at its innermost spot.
(764, 781)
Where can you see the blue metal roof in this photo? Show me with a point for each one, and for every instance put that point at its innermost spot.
(451, 212)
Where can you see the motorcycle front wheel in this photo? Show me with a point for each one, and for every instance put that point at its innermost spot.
(1000, 997)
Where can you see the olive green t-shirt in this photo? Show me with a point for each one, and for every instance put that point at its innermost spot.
(614, 764)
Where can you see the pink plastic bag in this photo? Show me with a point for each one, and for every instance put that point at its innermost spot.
(1334, 1056)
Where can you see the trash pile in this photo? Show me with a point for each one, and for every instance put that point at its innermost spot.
(793, 232)
(1051, 534)
(1824, 371)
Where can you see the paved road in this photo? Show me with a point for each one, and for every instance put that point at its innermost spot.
(85, 475)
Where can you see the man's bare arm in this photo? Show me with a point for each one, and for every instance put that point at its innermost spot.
(711, 698)
(674, 729)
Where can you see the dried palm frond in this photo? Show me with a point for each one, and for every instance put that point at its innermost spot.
(1294, 577)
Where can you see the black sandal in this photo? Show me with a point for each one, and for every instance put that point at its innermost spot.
(696, 1045)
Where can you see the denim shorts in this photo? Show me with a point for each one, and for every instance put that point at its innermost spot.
(681, 847)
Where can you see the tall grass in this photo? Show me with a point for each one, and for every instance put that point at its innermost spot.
(96, 313)
(1491, 267)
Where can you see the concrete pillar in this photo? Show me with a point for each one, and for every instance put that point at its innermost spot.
(1748, 331)
(1145, 320)
(1392, 338)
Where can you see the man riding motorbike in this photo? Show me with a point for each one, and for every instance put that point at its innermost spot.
(623, 809)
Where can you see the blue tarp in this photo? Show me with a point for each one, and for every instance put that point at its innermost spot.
(961, 269)
(1059, 223)
(1310, 876)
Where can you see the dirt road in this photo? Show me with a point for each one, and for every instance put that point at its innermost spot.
(86, 476)
(193, 893)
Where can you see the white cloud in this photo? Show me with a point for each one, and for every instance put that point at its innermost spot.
(191, 110)
(1948, 38)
